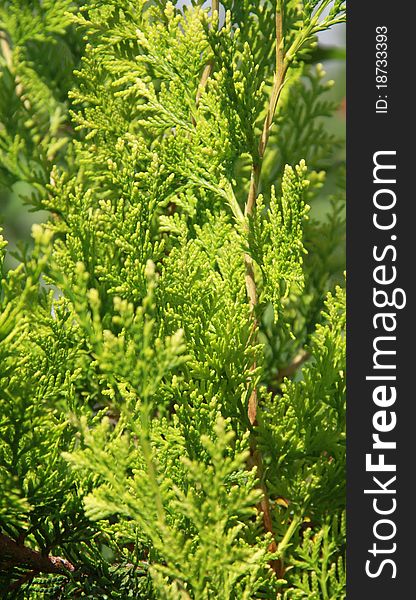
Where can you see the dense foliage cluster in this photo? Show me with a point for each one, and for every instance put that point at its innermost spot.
(172, 346)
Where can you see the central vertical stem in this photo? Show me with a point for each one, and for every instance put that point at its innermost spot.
(279, 77)
(251, 284)
(207, 72)
(255, 459)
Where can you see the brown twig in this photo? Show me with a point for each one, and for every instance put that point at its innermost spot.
(209, 67)
(255, 460)
(288, 371)
(301, 357)
(5, 50)
(279, 78)
(255, 456)
(15, 554)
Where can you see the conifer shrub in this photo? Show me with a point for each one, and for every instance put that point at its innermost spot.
(172, 344)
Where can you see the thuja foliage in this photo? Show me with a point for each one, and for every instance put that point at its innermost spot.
(172, 345)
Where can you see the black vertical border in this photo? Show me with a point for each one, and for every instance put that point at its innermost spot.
(368, 132)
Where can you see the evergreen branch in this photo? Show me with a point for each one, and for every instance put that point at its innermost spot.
(173, 465)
